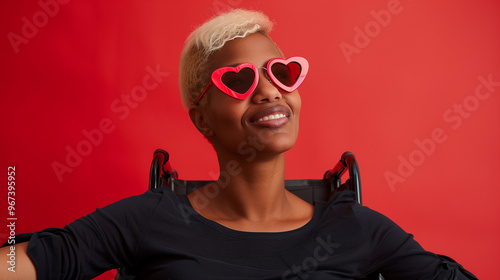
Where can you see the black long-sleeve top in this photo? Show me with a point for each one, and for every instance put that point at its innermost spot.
(160, 236)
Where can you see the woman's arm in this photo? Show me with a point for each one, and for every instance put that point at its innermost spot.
(15, 263)
(398, 256)
(105, 239)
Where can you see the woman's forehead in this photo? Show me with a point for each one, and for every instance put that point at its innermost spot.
(256, 48)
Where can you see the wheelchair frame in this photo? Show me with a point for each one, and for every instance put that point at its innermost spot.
(162, 174)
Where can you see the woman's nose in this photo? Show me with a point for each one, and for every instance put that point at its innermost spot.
(265, 91)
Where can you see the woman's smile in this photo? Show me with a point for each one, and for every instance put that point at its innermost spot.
(270, 117)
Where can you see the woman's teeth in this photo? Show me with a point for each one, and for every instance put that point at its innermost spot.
(271, 117)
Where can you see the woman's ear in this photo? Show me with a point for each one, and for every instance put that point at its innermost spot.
(200, 122)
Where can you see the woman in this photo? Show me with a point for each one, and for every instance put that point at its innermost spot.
(242, 95)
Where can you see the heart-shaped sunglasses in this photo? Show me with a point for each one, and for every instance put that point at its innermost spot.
(239, 82)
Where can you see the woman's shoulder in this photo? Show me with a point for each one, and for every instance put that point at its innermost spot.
(347, 199)
(344, 199)
(146, 202)
(345, 206)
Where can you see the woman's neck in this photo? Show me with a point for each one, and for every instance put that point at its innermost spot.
(252, 190)
(251, 196)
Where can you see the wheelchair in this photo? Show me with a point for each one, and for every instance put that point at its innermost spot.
(310, 190)
(162, 174)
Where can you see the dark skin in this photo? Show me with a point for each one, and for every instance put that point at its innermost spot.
(25, 269)
(254, 198)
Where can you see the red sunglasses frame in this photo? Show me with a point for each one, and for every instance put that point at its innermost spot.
(216, 77)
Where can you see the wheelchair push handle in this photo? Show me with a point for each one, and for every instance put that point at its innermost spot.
(160, 166)
(348, 162)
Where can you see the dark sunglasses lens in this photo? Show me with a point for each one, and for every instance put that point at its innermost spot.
(239, 82)
(286, 74)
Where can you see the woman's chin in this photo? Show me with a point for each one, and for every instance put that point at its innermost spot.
(279, 145)
(267, 143)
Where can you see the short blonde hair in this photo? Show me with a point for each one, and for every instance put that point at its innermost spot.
(211, 36)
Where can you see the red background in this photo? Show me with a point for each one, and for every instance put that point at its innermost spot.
(395, 90)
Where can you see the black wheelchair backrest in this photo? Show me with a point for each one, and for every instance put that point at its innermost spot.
(310, 190)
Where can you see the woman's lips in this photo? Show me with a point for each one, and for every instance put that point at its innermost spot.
(271, 117)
